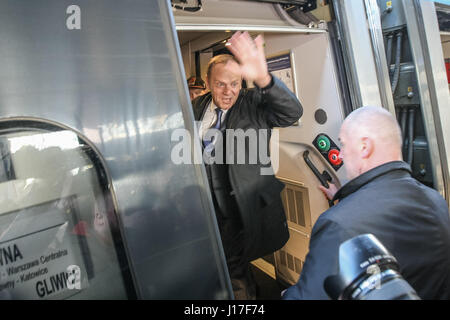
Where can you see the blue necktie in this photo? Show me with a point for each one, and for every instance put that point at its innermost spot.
(216, 126)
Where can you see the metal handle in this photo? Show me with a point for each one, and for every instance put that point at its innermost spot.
(324, 177)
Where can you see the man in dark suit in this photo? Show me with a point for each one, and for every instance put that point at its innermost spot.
(248, 206)
(410, 219)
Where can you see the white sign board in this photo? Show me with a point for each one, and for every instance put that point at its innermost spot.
(40, 255)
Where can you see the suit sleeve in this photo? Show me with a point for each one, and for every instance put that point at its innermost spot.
(280, 106)
(321, 261)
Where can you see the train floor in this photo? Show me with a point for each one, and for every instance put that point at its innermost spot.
(267, 288)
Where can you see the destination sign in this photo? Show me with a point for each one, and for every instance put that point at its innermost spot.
(40, 258)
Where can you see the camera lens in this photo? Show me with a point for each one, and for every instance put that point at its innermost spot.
(367, 271)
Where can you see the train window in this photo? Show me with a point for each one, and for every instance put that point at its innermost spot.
(59, 236)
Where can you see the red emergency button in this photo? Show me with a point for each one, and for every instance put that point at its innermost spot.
(333, 156)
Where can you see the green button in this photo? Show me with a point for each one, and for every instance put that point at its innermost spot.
(323, 143)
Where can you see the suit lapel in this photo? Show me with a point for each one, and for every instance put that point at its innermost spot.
(233, 113)
(200, 107)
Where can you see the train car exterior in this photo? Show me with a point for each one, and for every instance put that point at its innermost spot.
(98, 200)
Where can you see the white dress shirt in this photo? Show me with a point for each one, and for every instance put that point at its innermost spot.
(209, 119)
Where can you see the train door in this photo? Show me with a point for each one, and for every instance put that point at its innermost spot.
(92, 207)
(333, 66)
(304, 154)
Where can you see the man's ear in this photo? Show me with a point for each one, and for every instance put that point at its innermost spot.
(367, 147)
(207, 83)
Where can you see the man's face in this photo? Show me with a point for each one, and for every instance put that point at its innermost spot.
(349, 153)
(225, 83)
(195, 92)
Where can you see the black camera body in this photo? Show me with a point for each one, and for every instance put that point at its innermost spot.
(367, 271)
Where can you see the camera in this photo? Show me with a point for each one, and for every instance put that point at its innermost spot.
(367, 271)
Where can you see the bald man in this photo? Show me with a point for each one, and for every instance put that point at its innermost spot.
(381, 198)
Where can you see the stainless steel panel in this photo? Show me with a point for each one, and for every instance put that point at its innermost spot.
(376, 33)
(117, 81)
(247, 27)
(360, 61)
(434, 95)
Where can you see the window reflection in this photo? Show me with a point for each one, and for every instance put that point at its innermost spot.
(56, 221)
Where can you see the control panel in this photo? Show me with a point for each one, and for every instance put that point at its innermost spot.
(329, 150)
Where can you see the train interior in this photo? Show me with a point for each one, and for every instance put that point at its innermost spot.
(311, 74)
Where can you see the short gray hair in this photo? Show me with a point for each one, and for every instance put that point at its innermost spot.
(221, 58)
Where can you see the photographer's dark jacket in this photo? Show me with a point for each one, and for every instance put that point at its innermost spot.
(410, 219)
(257, 196)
